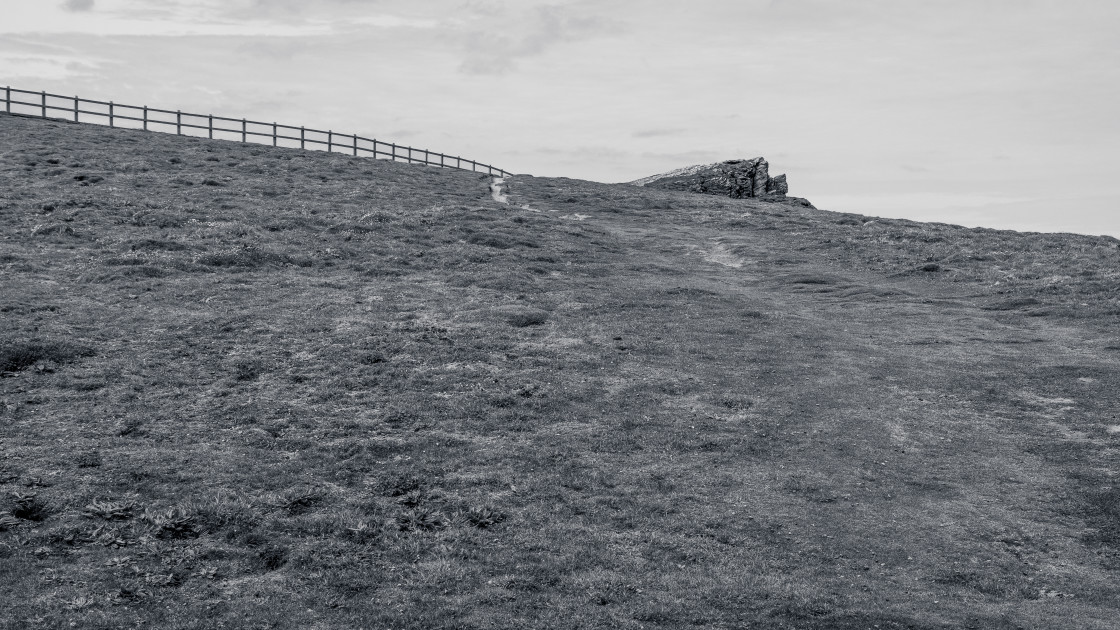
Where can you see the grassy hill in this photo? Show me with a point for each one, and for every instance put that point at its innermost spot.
(257, 387)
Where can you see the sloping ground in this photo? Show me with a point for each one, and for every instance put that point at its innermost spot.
(254, 387)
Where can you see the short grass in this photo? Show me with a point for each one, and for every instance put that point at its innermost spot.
(255, 387)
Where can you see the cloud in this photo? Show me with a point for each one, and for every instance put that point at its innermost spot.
(273, 49)
(78, 5)
(493, 51)
(392, 21)
(47, 67)
(141, 18)
(654, 133)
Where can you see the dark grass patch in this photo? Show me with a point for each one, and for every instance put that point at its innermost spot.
(273, 557)
(813, 280)
(28, 506)
(162, 220)
(734, 402)
(297, 501)
(16, 356)
(1011, 304)
(150, 244)
(88, 459)
(140, 271)
(490, 240)
(989, 583)
(1099, 504)
(527, 318)
(248, 369)
(690, 291)
(249, 257)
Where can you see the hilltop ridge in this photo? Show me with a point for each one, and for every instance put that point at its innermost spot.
(254, 386)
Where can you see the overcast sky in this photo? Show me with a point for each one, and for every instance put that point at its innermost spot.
(999, 113)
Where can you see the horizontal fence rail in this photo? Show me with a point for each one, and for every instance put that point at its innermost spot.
(82, 110)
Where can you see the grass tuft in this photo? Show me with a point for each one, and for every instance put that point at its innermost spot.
(484, 517)
(110, 510)
(420, 520)
(174, 522)
(297, 500)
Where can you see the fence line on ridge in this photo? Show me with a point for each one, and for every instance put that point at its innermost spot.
(144, 117)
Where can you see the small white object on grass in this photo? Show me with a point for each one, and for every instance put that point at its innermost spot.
(496, 190)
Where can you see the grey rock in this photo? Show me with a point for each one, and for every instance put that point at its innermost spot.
(734, 178)
(777, 185)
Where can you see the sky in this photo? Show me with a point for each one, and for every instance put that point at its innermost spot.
(994, 113)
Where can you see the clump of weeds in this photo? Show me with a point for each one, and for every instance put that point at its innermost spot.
(485, 516)
(297, 500)
(174, 522)
(420, 520)
(110, 510)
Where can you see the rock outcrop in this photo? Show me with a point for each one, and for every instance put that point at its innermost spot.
(734, 178)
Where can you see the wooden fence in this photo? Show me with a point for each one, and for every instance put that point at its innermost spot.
(151, 119)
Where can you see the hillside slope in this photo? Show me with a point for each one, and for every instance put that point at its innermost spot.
(257, 387)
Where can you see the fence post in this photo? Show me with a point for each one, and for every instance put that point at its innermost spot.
(330, 141)
(44, 103)
(392, 152)
(75, 109)
(458, 162)
(355, 137)
(301, 130)
(178, 122)
(210, 126)
(273, 134)
(441, 156)
(244, 135)
(8, 99)
(410, 155)
(145, 118)
(111, 124)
